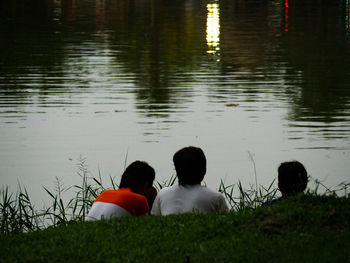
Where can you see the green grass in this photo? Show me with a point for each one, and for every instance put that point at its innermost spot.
(310, 228)
(307, 228)
(18, 214)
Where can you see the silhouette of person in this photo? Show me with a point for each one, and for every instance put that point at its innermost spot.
(132, 198)
(292, 180)
(189, 195)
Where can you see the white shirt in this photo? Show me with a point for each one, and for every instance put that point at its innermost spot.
(101, 210)
(178, 199)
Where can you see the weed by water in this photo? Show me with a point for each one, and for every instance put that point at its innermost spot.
(18, 213)
(239, 198)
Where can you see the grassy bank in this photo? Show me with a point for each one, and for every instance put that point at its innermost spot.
(308, 228)
(67, 205)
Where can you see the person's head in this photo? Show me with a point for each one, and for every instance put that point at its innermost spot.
(138, 176)
(190, 165)
(292, 178)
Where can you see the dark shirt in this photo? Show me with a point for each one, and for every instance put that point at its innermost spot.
(276, 200)
(273, 201)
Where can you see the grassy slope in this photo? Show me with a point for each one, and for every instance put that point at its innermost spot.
(302, 229)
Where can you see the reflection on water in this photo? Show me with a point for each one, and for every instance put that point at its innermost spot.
(347, 16)
(286, 16)
(213, 28)
(100, 77)
(152, 53)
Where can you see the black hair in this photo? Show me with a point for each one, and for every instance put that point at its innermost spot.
(292, 177)
(190, 165)
(136, 174)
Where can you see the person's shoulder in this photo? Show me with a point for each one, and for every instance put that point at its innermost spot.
(126, 193)
(168, 189)
(109, 193)
(214, 200)
(137, 196)
(273, 201)
(209, 191)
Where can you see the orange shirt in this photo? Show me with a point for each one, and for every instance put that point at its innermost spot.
(134, 203)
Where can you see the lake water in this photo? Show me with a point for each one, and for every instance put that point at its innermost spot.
(250, 82)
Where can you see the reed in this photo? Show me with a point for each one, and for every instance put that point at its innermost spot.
(18, 213)
(239, 198)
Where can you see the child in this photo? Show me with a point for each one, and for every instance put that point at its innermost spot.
(292, 179)
(188, 195)
(131, 197)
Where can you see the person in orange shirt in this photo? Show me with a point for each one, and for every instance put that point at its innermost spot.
(133, 198)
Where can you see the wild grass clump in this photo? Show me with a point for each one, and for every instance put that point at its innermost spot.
(239, 198)
(246, 198)
(18, 213)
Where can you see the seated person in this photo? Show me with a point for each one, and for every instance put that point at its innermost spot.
(292, 179)
(131, 197)
(189, 195)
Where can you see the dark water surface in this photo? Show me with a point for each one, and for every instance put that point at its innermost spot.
(116, 79)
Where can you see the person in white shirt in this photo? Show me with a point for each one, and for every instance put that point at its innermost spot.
(189, 195)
